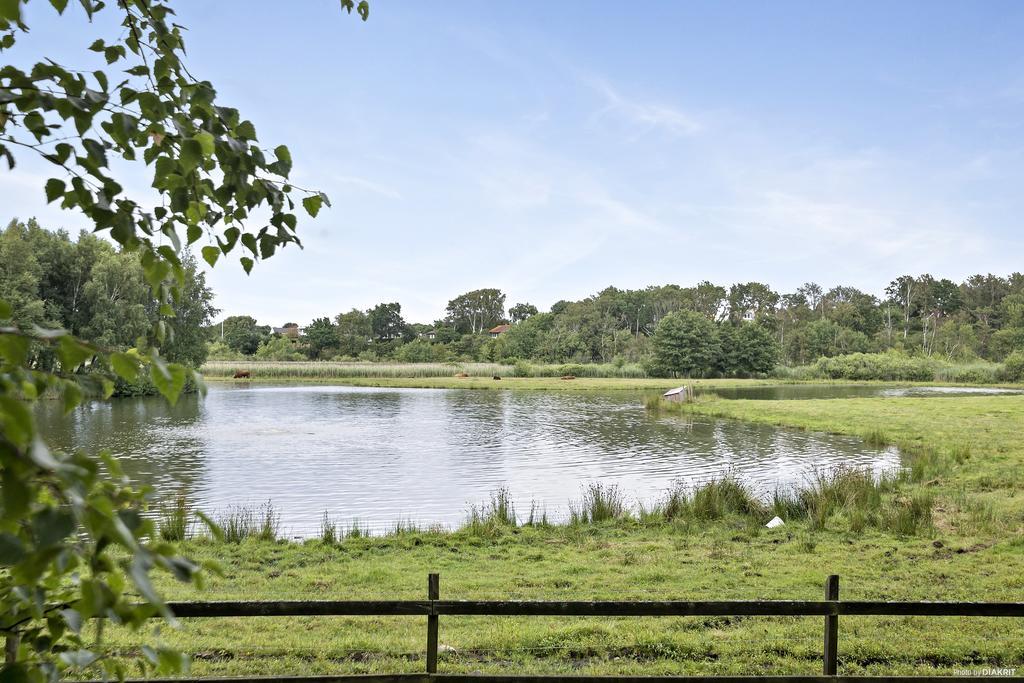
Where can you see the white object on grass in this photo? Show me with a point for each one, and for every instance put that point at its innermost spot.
(775, 521)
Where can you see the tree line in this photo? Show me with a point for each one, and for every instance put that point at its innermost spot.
(99, 293)
(706, 329)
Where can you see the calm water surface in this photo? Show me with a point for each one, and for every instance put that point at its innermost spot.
(380, 455)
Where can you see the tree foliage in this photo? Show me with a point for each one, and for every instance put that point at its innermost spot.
(386, 322)
(521, 312)
(74, 543)
(476, 311)
(242, 333)
(684, 344)
(97, 292)
(322, 338)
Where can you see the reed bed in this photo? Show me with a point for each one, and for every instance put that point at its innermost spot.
(344, 370)
(837, 499)
(277, 370)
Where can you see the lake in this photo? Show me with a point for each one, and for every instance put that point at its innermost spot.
(383, 455)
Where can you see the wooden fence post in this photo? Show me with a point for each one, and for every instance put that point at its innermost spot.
(433, 593)
(831, 663)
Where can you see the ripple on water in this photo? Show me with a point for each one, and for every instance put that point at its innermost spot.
(379, 455)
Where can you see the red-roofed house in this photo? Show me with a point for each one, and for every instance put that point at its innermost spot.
(498, 330)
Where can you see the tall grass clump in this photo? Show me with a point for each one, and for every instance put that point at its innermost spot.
(175, 521)
(719, 498)
(842, 490)
(926, 463)
(876, 438)
(237, 523)
(860, 498)
(909, 515)
(600, 503)
(328, 530)
(492, 516)
(538, 516)
(241, 522)
(654, 403)
(357, 530)
(715, 499)
(975, 514)
(405, 527)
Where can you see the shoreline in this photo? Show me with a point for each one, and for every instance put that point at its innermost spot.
(586, 383)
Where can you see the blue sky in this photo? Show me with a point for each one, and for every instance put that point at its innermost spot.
(553, 148)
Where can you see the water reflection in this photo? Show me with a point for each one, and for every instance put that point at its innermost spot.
(378, 455)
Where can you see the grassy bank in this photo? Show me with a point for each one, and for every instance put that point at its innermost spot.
(725, 559)
(967, 448)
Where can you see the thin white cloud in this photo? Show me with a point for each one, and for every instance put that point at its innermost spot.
(646, 115)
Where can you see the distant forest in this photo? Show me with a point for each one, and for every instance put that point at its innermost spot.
(706, 329)
(87, 286)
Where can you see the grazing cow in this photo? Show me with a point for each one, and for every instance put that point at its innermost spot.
(568, 376)
(242, 374)
(495, 377)
(461, 375)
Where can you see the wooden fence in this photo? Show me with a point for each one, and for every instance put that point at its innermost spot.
(830, 609)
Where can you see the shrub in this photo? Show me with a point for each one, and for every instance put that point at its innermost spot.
(1013, 367)
(278, 348)
(522, 369)
(416, 351)
(218, 350)
(891, 366)
(572, 369)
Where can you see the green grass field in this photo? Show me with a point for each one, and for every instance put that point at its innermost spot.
(971, 452)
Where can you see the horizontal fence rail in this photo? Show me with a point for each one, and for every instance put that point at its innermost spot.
(610, 608)
(831, 608)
